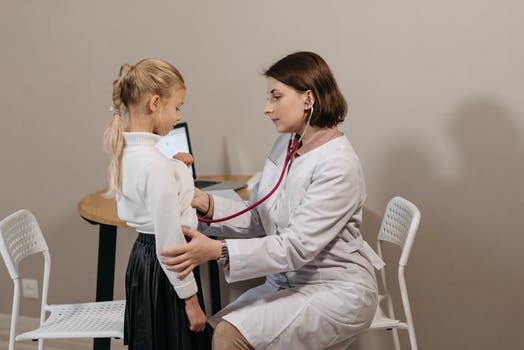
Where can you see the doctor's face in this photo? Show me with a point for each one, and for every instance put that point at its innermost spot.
(285, 107)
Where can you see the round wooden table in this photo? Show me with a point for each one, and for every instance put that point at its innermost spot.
(99, 210)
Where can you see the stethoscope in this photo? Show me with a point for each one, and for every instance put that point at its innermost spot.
(291, 150)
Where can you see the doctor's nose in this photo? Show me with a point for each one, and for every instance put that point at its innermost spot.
(268, 108)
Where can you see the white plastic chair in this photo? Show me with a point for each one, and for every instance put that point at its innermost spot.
(20, 237)
(399, 226)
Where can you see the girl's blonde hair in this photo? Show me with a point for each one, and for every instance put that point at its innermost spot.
(133, 83)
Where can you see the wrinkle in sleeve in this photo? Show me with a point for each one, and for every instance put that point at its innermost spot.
(333, 196)
(162, 202)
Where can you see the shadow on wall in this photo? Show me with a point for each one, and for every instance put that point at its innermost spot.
(464, 270)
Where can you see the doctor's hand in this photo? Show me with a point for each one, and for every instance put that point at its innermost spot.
(185, 158)
(185, 258)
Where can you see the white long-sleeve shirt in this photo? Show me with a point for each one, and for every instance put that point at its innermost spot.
(156, 195)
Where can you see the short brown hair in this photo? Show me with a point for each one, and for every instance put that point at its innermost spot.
(305, 71)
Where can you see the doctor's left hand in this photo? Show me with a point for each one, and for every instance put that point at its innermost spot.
(185, 258)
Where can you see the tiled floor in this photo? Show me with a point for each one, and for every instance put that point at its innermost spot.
(62, 344)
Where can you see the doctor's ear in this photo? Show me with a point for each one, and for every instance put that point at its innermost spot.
(310, 100)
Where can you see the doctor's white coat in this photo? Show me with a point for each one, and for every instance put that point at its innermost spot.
(320, 289)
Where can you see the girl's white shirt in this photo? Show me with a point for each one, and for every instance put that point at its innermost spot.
(155, 198)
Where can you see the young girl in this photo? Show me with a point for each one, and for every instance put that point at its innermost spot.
(153, 195)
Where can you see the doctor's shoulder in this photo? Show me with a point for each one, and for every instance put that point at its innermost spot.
(340, 158)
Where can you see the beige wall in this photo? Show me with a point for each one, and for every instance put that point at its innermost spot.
(435, 91)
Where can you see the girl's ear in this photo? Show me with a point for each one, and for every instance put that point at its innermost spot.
(153, 103)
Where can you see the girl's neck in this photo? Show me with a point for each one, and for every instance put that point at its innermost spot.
(139, 124)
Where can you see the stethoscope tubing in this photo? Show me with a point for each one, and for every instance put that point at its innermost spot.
(290, 152)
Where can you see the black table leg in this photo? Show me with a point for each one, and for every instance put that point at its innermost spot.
(214, 286)
(105, 274)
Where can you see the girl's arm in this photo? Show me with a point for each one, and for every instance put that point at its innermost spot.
(162, 187)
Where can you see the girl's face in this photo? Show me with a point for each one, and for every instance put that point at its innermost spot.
(169, 112)
(285, 107)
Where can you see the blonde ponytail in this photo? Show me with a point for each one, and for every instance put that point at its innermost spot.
(114, 136)
(114, 145)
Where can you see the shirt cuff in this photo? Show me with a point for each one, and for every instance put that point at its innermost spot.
(238, 262)
(187, 289)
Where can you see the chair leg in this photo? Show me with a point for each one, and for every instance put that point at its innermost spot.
(396, 342)
(412, 339)
(14, 314)
(12, 333)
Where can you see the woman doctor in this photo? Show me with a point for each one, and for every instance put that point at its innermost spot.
(320, 288)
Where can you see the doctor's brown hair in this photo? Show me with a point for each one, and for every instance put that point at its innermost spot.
(133, 83)
(305, 71)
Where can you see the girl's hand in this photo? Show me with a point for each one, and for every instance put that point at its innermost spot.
(185, 258)
(197, 318)
(185, 158)
(200, 201)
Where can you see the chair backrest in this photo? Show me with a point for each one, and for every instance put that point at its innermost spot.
(399, 226)
(20, 236)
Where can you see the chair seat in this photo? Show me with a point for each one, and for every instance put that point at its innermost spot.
(87, 320)
(381, 321)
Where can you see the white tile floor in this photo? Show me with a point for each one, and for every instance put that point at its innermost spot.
(62, 344)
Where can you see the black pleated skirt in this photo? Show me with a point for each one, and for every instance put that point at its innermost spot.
(155, 317)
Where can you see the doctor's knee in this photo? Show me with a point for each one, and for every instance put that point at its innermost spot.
(228, 337)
